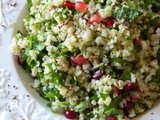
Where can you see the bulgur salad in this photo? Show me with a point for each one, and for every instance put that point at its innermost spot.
(93, 59)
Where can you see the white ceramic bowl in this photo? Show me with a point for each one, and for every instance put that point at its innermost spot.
(152, 114)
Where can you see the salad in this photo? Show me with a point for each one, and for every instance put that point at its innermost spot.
(93, 59)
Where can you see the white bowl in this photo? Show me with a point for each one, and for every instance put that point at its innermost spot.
(26, 79)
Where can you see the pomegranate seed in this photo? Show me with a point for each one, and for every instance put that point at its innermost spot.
(135, 95)
(126, 113)
(128, 105)
(78, 60)
(111, 117)
(19, 61)
(129, 86)
(97, 75)
(95, 18)
(136, 41)
(116, 90)
(81, 6)
(109, 22)
(68, 5)
(70, 114)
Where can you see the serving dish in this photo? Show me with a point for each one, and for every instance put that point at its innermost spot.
(10, 63)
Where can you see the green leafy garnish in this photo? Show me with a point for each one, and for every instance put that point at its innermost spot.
(114, 108)
(127, 13)
(113, 111)
(32, 40)
(40, 46)
(53, 94)
(24, 55)
(156, 78)
(29, 3)
(81, 106)
(154, 21)
(126, 75)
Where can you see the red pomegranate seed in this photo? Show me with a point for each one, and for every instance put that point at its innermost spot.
(126, 112)
(109, 22)
(129, 86)
(70, 114)
(78, 60)
(135, 95)
(68, 5)
(116, 90)
(19, 61)
(128, 105)
(95, 18)
(97, 75)
(136, 41)
(111, 117)
(81, 6)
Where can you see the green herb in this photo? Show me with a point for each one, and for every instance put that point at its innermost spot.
(113, 111)
(28, 17)
(156, 78)
(29, 3)
(113, 74)
(93, 96)
(103, 96)
(115, 102)
(89, 115)
(156, 6)
(31, 62)
(40, 46)
(126, 75)
(62, 14)
(81, 106)
(64, 50)
(62, 107)
(50, 95)
(129, 12)
(40, 75)
(53, 94)
(57, 76)
(32, 40)
(120, 61)
(24, 55)
(74, 81)
(66, 12)
(155, 21)
(113, 108)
